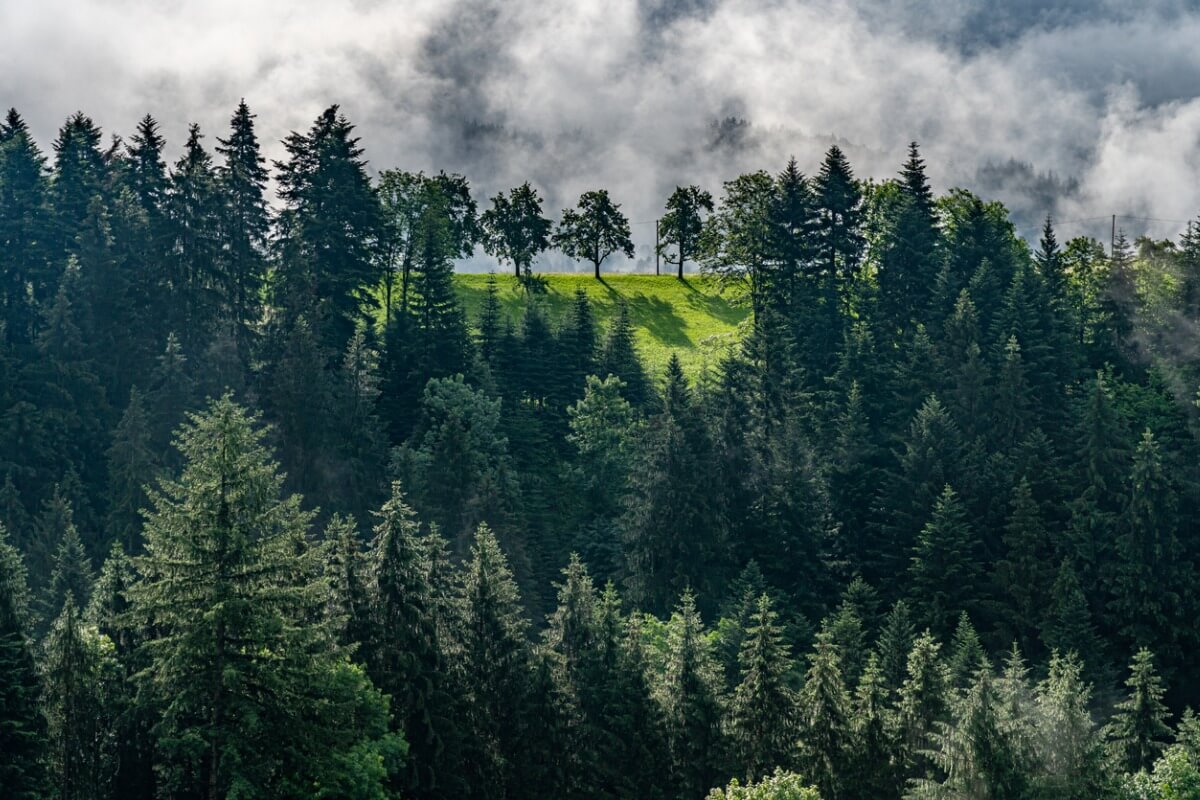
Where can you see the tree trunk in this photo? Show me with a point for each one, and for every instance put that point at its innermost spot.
(597, 270)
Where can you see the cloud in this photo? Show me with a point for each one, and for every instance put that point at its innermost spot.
(1083, 109)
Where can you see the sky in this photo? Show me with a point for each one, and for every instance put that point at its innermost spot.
(1080, 109)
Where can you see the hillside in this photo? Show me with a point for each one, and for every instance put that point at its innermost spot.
(689, 317)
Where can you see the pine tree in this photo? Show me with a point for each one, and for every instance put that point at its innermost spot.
(825, 719)
(1138, 731)
(221, 537)
(22, 726)
(691, 699)
(944, 575)
(762, 718)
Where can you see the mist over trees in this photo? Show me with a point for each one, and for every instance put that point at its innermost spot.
(279, 518)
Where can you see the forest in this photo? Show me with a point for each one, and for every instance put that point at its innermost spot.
(279, 518)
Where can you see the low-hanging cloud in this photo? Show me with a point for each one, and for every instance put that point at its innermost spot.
(1083, 110)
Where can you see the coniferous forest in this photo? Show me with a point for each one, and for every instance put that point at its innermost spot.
(280, 519)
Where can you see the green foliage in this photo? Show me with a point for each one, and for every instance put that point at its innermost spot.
(1138, 731)
(514, 229)
(595, 231)
(779, 786)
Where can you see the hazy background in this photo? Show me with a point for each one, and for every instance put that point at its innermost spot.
(1084, 109)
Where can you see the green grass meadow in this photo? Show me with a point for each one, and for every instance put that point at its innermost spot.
(689, 317)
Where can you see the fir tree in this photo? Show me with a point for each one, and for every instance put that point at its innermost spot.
(1022, 575)
(1067, 626)
(872, 771)
(71, 576)
(1068, 746)
(967, 656)
(838, 222)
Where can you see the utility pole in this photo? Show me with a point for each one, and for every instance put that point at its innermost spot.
(1112, 241)
(656, 254)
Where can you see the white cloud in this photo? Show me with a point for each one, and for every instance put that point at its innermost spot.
(624, 93)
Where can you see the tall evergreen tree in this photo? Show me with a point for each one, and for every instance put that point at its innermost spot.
(331, 227)
(245, 226)
(691, 698)
(619, 357)
(1138, 731)
(825, 734)
(496, 666)
(762, 712)
(945, 571)
(22, 726)
(221, 537)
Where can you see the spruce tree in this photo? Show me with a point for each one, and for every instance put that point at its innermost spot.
(909, 260)
(132, 466)
(244, 227)
(1148, 576)
(25, 231)
(1023, 575)
(1073, 763)
(825, 719)
(222, 537)
(923, 703)
(619, 357)
(22, 726)
(331, 224)
(691, 699)
(1067, 625)
(496, 668)
(762, 718)
(79, 671)
(944, 575)
(873, 769)
(839, 223)
(894, 644)
(967, 656)
(71, 576)
(402, 654)
(1138, 731)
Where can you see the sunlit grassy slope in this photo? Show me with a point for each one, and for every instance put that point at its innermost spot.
(688, 317)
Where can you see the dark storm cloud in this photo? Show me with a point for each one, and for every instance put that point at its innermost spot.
(1080, 108)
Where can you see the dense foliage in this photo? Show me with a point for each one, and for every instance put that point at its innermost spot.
(277, 519)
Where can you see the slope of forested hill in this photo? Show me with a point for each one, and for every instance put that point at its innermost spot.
(869, 498)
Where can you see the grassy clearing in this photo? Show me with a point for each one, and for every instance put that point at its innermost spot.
(689, 317)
